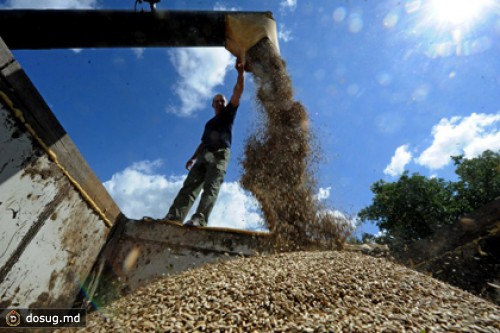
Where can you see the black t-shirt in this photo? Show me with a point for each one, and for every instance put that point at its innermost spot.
(219, 130)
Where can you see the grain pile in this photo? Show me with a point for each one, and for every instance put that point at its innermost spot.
(299, 292)
(279, 156)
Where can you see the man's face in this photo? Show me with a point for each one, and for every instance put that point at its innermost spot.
(218, 103)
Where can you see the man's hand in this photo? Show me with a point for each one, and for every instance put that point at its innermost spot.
(189, 164)
(240, 83)
(240, 67)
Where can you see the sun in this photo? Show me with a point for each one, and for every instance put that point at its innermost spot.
(457, 12)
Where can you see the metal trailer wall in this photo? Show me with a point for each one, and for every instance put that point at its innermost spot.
(55, 215)
(146, 250)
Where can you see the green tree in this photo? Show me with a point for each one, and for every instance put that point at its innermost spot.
(411, 208)
(479, 180)
(414, 207)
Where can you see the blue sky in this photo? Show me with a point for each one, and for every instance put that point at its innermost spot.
(389, 85)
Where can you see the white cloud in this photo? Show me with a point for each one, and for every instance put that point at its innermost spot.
(222, 7)
(489, 141)
(200, 71)
(398, 162)
(235, 208)
(461, 135)
(139, 52)
(340, 218)
(139, 191)
(323, 193)
(284, 34)
(288, 4)
(51, 4)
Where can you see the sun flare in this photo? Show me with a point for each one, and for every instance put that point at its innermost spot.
(458, 12)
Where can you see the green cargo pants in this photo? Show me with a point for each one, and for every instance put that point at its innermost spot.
(208, 174)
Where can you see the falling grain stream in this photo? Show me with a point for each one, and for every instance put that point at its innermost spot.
(279, 159)
(300, 291)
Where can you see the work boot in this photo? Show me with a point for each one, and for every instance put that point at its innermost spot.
(196, 220)
(171, 218)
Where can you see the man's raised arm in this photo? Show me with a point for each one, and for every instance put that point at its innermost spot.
(240, 84)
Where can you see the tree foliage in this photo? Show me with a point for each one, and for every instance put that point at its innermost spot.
(479, 180)
(414, 206)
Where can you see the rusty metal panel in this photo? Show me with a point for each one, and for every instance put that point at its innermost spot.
(148, 250)
(49, 237)
(51, 228)
(17, 190)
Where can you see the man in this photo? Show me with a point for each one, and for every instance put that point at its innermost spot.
(207, 166)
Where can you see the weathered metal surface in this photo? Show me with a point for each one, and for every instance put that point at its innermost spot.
(237, 31)
(148, 250)
(110, 28)
(16, 190)
(50, 232)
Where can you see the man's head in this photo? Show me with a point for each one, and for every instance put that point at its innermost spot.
(218, 103)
